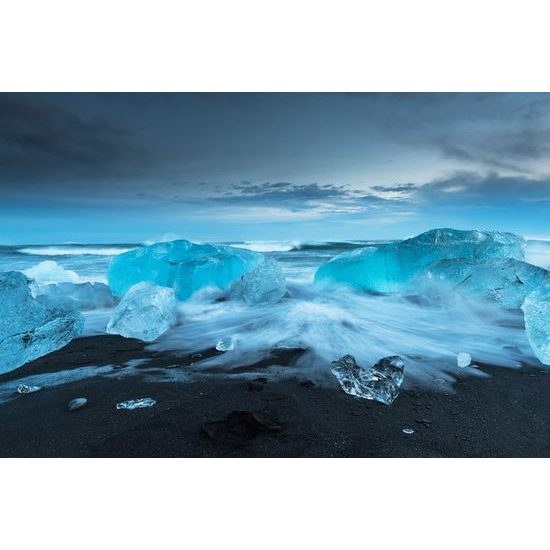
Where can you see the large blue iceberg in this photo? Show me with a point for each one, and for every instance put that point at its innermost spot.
(186, 267)
(478, 264)
(28, 329)
(395, 267)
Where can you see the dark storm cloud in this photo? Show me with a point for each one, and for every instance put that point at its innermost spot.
(282, 191)
(359, 148)
(501, 150)
(297, 197)
(395, 188)
(493, 131)
(39, 140)
(473, 189)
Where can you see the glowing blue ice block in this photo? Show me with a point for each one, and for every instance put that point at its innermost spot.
(394, 267)
(184, 266)
(28, 329)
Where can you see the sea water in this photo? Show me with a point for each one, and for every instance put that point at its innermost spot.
(327, 324)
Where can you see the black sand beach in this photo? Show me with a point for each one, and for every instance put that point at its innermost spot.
(504, 415)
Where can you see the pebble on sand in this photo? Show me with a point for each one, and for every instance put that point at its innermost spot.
(77, 403)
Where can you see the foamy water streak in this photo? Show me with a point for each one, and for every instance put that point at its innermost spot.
(340, 321)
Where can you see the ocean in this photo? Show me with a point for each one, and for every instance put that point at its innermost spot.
(328, 323)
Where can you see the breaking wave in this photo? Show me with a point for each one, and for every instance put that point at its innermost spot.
(330, 324)
(70, 250)
(266, 246)
(538, 253)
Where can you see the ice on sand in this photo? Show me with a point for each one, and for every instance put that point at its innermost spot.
(380, 382)
(24, 388)
(28, 329)
(226, 344)
(145, 312)
(463, 359)
(131, 404)
(536, 312)
(186, 267)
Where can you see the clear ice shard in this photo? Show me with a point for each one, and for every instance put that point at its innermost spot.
(226, 344)
(132, 404)
(81, 296)
(536, 312)
(265, 284)
(463, 359)
(23, 388)
(186, 267)
(145, 312)
(507, 281)
(380, 382)
(28, 329)
(394, 267)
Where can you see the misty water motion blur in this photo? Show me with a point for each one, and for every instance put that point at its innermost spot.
(426, 331)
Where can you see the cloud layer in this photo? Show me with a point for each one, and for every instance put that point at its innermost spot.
(335, 161)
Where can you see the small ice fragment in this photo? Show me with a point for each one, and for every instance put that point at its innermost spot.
(77, 403)
(226, 344)
(463, 359)
(23, 388)
(132, 404)
(380, 382)
(408, 431)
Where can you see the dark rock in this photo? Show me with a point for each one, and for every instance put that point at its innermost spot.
(240, 427)
(257, 384)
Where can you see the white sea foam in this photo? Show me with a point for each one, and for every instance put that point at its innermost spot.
(73, 250)
(50, 272)
(339, 322)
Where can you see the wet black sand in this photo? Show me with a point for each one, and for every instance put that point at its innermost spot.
(504, 415)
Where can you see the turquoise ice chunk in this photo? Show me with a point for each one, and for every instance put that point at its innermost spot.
(186, 267)
(394, 267)
(29, 329)
(536, 312)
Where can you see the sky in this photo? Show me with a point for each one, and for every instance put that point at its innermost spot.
(105, 168)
